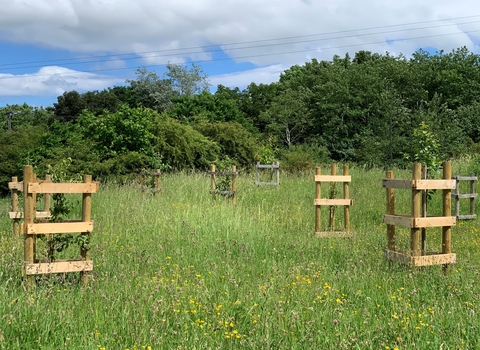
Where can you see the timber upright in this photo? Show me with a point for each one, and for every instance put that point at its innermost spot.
(332, 202)
(417, 256)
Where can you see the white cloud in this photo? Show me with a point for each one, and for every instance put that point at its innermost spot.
(181, 30)
(264, 75)
(120, 26)
(53, 81)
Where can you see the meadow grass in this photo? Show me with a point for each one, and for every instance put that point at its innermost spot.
(175, 271)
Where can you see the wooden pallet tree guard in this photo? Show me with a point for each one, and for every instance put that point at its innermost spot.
(157, 180)
(416, 256)
(16, 214)
(213, 183)
(274, 169)
(33, 266)
(332, 202)
(471, 195)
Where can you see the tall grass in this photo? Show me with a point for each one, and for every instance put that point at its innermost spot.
(175, 271)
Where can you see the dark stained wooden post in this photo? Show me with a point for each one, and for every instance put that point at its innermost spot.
(390, 211)
(29, 216)
(158, 180)
(234, 184)
(447, 211)
(416, 206)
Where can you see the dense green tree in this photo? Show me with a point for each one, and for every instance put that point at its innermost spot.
(22, 116)
(256, 99)
(16, 148)
(288, 118)
(234, 140)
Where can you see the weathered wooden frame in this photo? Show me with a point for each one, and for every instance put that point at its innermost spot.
(416, 256)
(472, 195)
(274, 169)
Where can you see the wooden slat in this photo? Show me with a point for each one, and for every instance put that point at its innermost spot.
(58, 267)
(408, 221)
(49, 187)
(464, 195)
(333, 178)
(267, 166)
(425, 260)
(397, 220)
(405, 184)
(434, 259)
(333, 201)
(467, 217)
(38, 215)
(223, 173)
(434, 221)
(435, 184)
(60, 227)
(15, 186)
(333, 234)
(466, 178)
(15, 214)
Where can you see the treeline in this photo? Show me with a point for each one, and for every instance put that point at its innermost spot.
(364, 109)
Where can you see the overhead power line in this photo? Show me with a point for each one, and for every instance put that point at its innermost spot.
(267, 45)
(225, 48)
(252, 41)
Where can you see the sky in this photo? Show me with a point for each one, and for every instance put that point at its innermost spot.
(48, 47)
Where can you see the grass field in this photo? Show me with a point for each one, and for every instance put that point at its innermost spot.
(177, 272)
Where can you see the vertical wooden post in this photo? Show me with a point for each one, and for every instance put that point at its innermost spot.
(46, 204)
(318, 195)
(346, 195)
(416, 204)
(213, 184)
(142, 179)
(457, 196)
(333, 172)
(158, 181)
(86, 217)
(472, 191)
(257, 176)
(16, 222)
(234, 184)
(424, 212)
(390, 211)
(447, 211)
(29, 216)
(278, 173)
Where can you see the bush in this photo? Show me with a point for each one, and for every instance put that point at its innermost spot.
(234, 140)
(304, 157)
